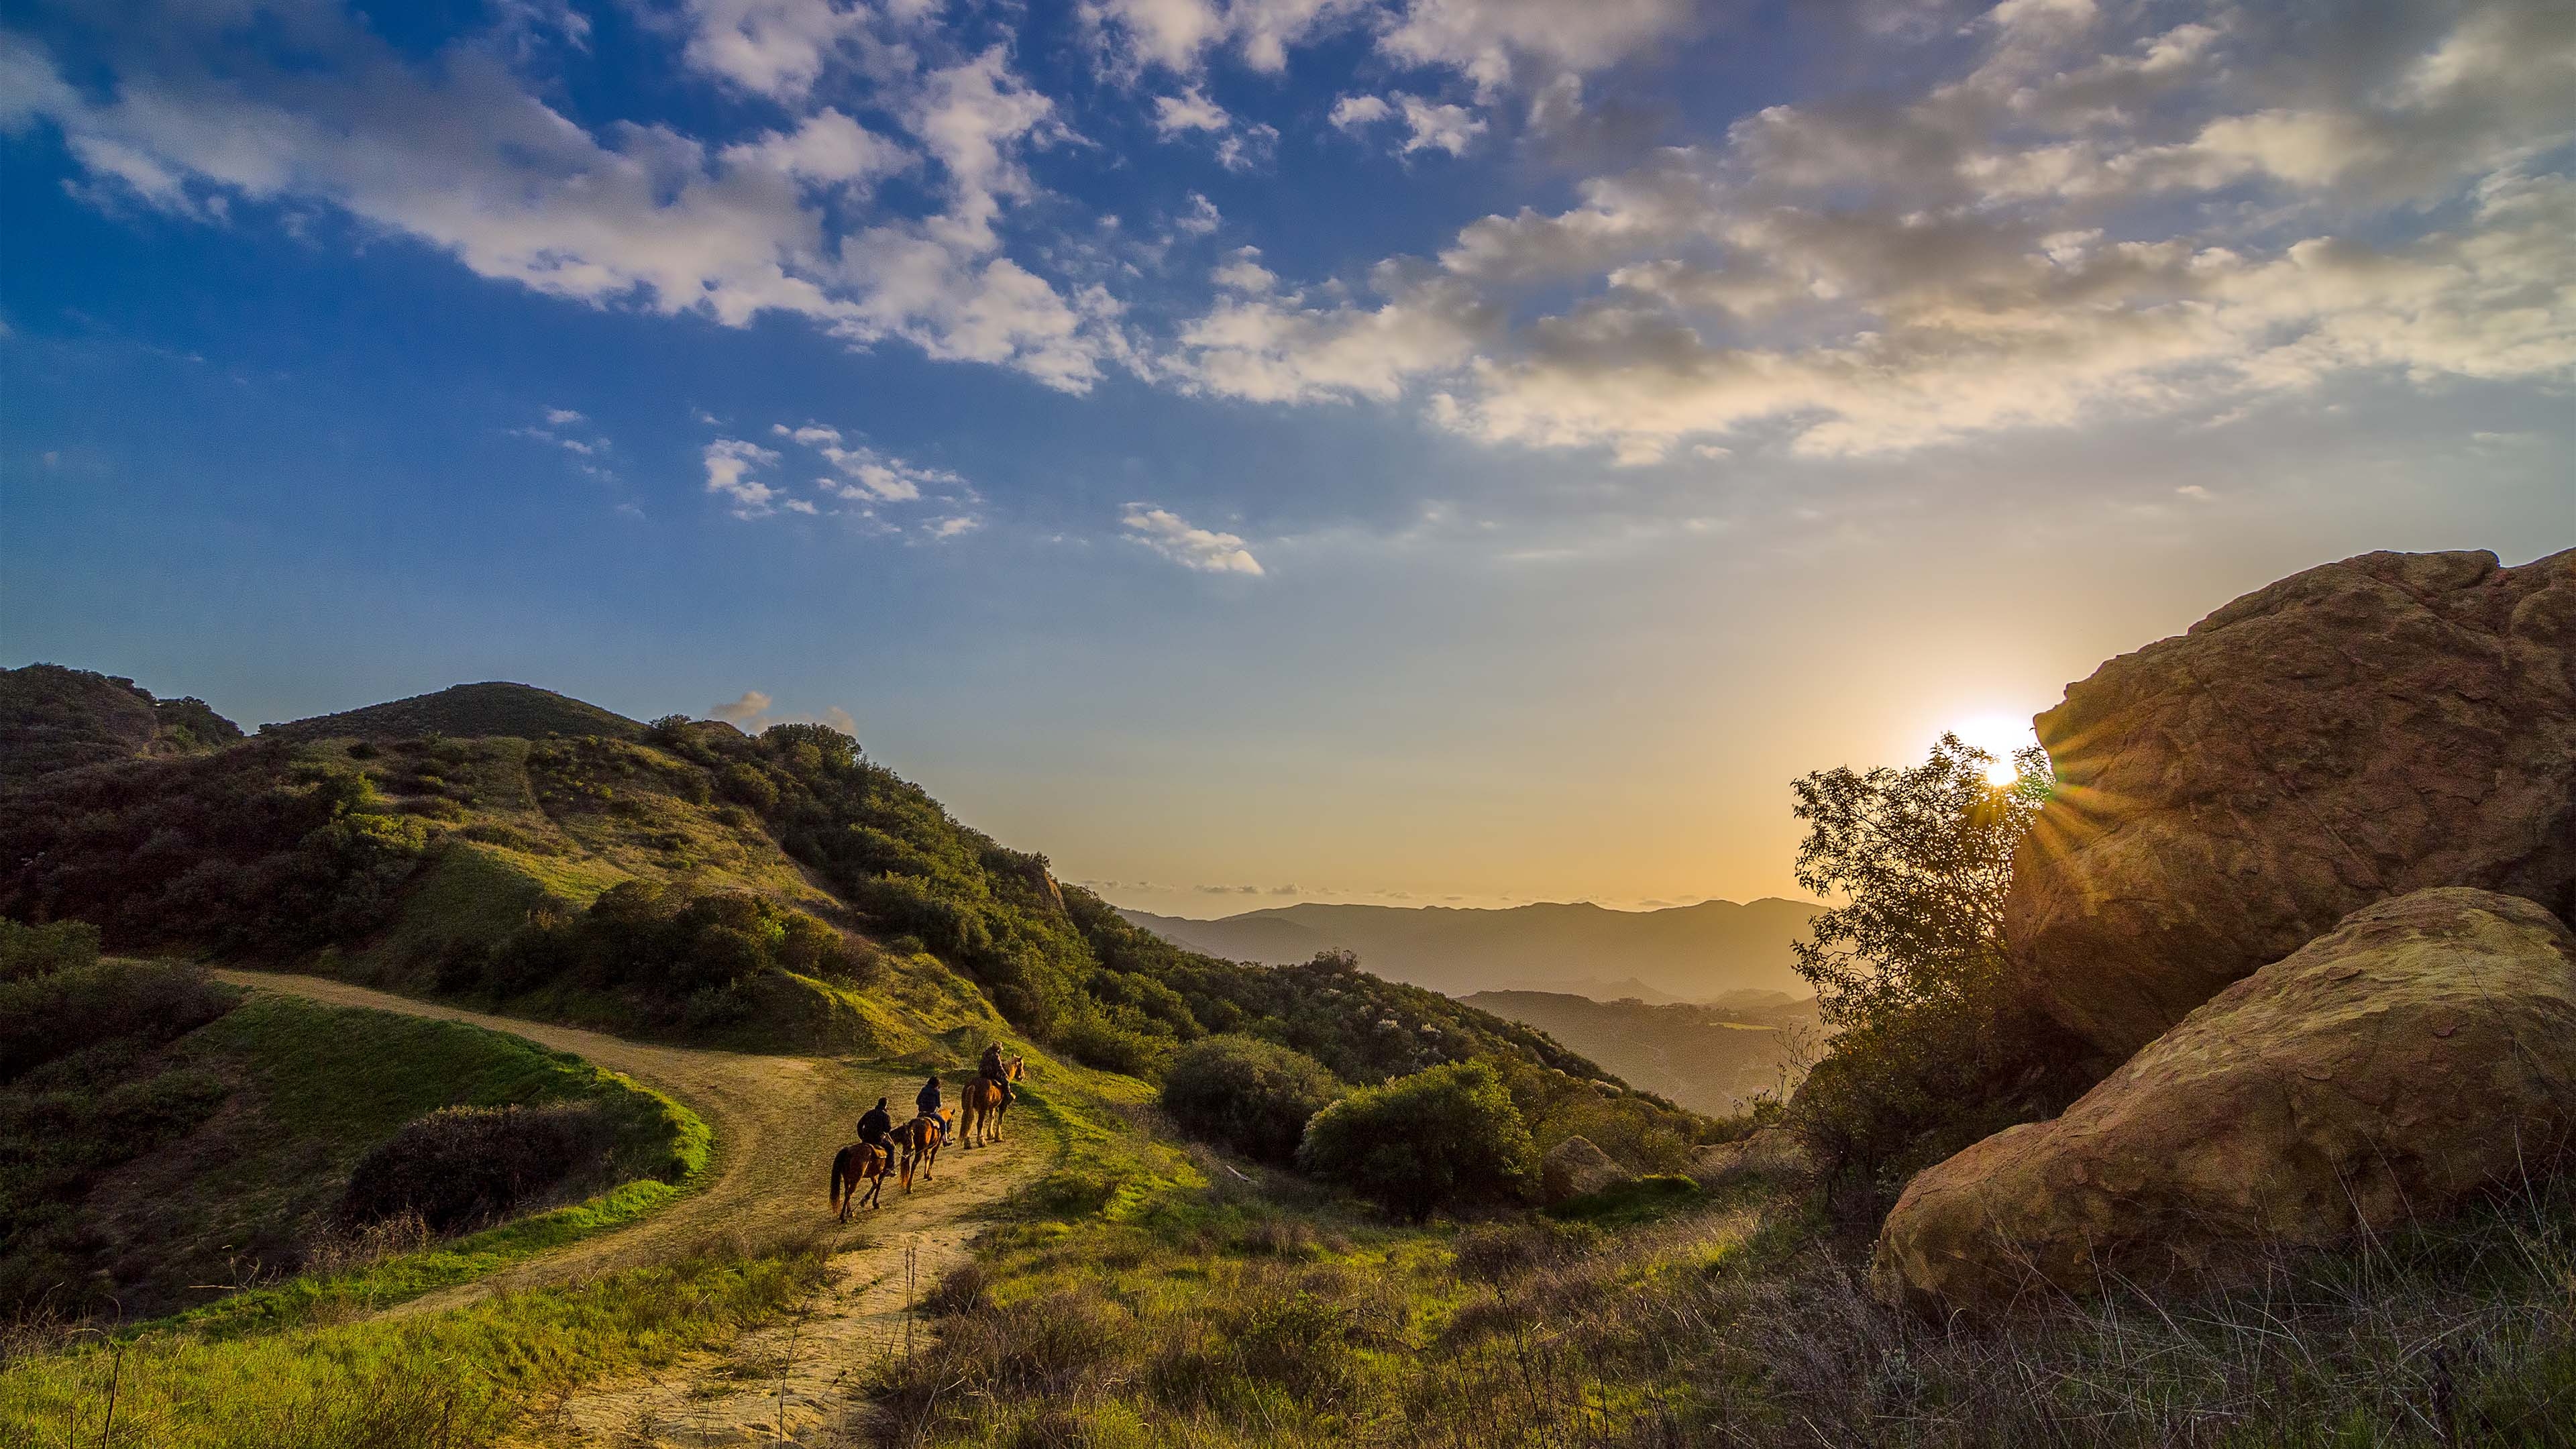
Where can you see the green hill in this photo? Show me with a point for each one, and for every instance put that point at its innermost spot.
(465, 711)
(692, 882)
(52, 718)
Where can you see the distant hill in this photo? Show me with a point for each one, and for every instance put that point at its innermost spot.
(53, 718)
(465, 711)
(1689, 953)
(1709, 1059)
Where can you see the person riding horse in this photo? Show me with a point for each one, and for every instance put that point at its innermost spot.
(993, 1071)
(876, 1128)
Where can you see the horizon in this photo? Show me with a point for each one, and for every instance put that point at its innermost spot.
(1405, 453)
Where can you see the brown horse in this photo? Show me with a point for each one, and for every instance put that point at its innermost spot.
(920, 1139)
(985, 1104)
(860, 1161)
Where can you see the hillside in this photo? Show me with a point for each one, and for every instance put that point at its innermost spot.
(1712, 1059)
(698, 884)
(465, 711)
(52, 718)
(1689, 953)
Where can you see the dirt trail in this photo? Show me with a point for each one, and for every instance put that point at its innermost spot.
(777, 1121)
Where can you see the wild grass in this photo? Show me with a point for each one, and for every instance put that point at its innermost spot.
(1225, 1307)
(454, 1380)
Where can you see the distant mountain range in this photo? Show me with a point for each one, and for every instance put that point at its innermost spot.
(1685, 953)
(1711, 1059)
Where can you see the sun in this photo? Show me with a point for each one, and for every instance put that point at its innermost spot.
(1998, 735)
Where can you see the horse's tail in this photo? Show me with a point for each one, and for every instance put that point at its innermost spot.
(907, 1172)
(840, 1174)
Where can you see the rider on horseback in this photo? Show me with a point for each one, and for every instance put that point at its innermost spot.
(876, 1128)
(928, 1101)
(994, 1072)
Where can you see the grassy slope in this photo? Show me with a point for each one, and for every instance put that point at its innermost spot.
(1153, 1298)
(1703, 1058)
(313, 1088)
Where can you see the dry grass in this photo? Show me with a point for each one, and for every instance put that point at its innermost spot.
(1241, 1321)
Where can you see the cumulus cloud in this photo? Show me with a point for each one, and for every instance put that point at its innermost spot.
(462, 155)
(730, 464)
(1281, 347)
(1351, 113)
(1173, 536)
(1434, 127)
(1189, 111)
(751, 706)
(2094, 214)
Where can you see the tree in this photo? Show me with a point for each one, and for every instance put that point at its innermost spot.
(1923, 857)
(1929, 1054)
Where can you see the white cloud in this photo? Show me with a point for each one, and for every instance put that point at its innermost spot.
(1199, 219)
(951, 527)
(743, 711)
(559, 417)
(1438, 127)
(1173, 537)
(1245, 273)
(1487, 40)
(871, 475)
(730, 463)
(772, 48)
(1272, 347)
(1189, 111)
(1350, 113)
(462, 156)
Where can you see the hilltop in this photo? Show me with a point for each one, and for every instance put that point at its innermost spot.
(1689, 953)
(53, 718)
(466, 711)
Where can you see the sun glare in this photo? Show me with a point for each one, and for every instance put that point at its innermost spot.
(1998, 735)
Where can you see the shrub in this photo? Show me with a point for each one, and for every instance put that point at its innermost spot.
(31, 951)
(146, 1003)
(1447, 1137)
(1250, 1095)
(460, 1166)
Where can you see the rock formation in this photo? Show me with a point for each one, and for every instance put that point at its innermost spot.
(2423, 1051)
(2349, 734)
(1576, 1168)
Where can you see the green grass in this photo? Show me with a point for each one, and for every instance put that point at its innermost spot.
(453, 1380)
(299, 1092)
(1142, 1300)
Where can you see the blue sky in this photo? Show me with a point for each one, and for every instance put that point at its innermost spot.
(1425, 450)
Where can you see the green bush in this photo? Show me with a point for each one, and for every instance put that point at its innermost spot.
(1445, 1138)
(31, 951)
(1250, 1095)
(691, 951)
(461, 1167)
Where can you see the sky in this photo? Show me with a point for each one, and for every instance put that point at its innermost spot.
(1411, 451)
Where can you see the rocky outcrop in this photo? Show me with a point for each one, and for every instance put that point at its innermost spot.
(2349, 734)
(2422, 1052)
(1576, 1168)
(1772, 1154)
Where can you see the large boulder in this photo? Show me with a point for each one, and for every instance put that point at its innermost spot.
(2421, 1053)
(1576, 1168)
(2351, 733)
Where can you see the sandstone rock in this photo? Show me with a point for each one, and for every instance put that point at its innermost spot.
(2349, 734)
(1574, 1168)
(1772, 1152)
(2421, 1052)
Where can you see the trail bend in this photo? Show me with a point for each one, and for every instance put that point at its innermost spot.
(776, 1120)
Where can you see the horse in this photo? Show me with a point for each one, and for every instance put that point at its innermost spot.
(860, 1161)
(982, 1112)
(921, 1138)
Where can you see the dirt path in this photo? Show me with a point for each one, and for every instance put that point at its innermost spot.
(777, 1121)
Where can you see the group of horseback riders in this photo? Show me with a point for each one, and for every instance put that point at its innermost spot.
(881, 1139)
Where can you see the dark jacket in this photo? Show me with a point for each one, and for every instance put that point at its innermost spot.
(928, 1101)
(875, 1125)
